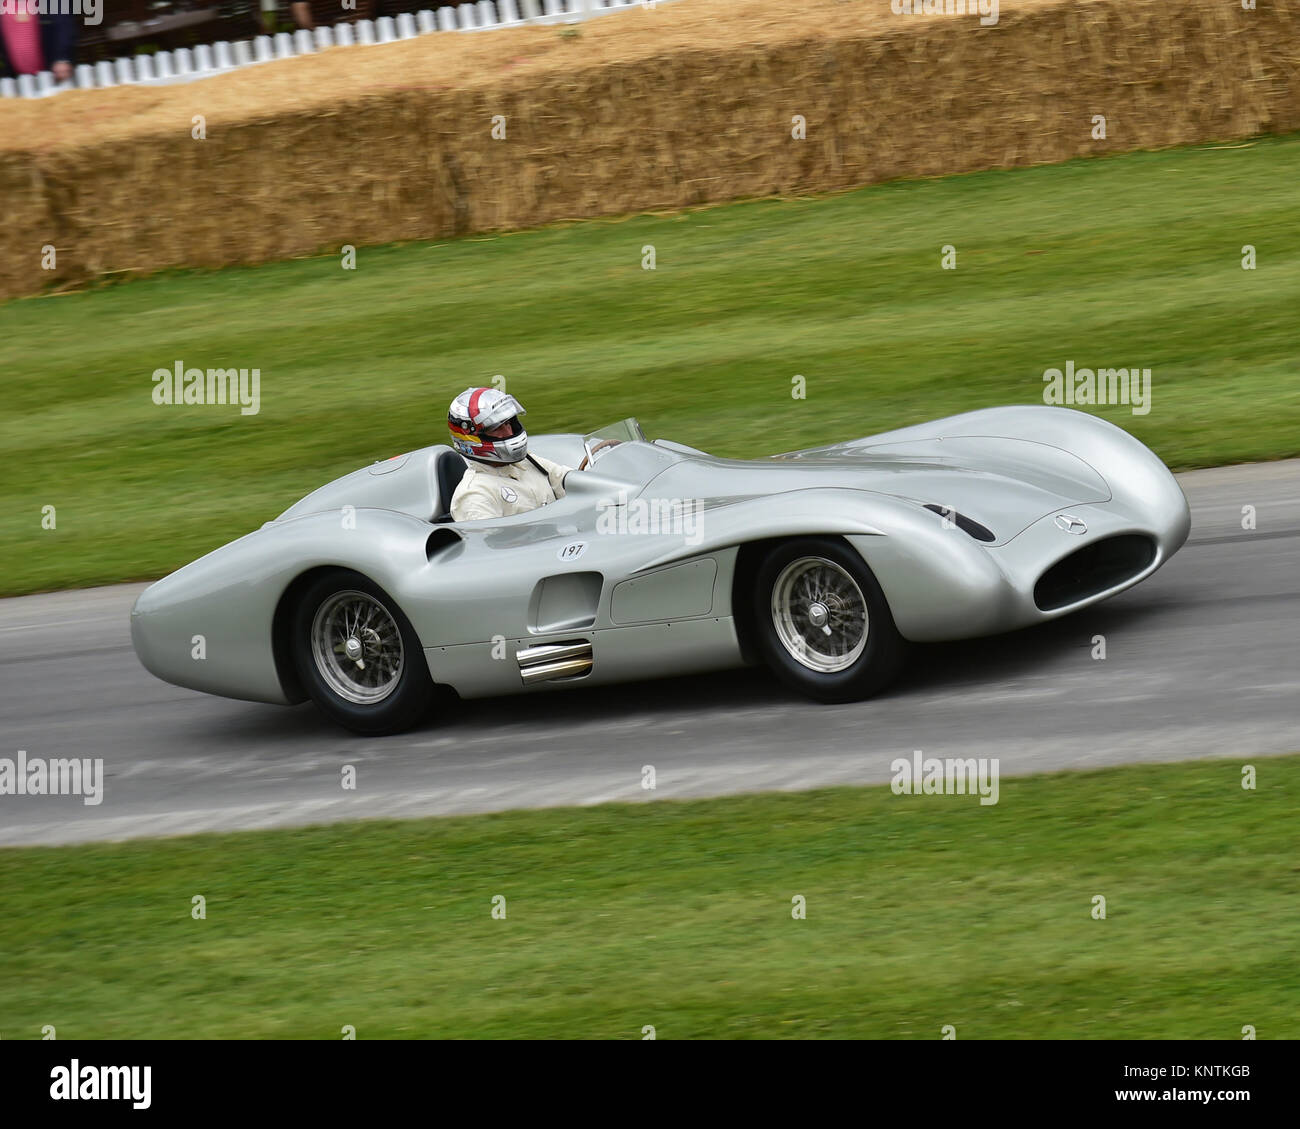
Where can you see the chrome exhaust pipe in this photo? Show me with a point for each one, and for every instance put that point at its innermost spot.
(545, 672)
(547, 661)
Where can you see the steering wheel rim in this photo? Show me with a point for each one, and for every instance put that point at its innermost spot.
(587, 458)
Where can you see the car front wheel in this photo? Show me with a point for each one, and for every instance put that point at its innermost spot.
(824, 627)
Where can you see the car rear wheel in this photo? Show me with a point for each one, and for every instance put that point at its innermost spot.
(358, 656)
(823, 625)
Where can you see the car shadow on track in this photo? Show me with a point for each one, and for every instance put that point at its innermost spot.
(1003, 658)
(929, 669)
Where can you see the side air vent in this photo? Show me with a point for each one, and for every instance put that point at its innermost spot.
(548, 662)
(440, 539)
(1093, 569)
(961, 521)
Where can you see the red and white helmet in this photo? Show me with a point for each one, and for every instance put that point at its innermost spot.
(474, 413)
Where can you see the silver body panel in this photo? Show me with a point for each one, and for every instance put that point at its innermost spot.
(580, 573)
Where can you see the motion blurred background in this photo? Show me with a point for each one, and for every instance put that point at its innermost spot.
(422, 155)
(677, 211)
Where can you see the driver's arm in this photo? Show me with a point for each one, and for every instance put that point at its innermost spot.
(473, 508)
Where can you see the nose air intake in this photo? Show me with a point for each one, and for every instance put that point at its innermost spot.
(1093, 569)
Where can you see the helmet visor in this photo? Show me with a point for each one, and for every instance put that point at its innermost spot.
(503, 410)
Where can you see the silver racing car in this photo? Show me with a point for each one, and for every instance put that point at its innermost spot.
(663, 560)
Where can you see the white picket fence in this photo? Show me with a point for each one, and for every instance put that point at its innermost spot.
(204, 61)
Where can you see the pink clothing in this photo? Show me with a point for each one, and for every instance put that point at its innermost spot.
(22, 35)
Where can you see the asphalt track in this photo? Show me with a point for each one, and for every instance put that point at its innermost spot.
(1201, 661)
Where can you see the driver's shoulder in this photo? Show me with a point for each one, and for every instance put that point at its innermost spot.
(475, 470)
(550, 465)
(474, 479)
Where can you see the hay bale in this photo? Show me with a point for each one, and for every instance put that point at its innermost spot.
(687, 104)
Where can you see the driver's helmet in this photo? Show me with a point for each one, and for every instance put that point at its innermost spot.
(474, 413)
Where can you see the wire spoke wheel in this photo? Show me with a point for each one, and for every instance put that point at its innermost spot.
(820, 614)
(357, 647)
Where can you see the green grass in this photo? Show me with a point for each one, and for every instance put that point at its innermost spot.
(1127, 261)
(921, 912)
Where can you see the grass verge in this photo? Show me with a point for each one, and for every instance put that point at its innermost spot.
(921, 912)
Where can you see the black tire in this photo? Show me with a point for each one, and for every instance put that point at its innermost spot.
(777, 631)
(406, 697)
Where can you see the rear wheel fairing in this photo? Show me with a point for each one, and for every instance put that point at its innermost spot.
(229, 597)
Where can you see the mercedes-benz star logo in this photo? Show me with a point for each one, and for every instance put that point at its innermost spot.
(1068, 523)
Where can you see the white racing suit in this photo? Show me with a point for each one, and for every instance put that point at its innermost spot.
(488, 490)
